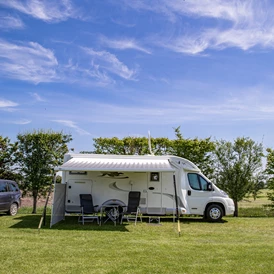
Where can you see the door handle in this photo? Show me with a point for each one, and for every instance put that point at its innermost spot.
(151, 188)
(189, 192)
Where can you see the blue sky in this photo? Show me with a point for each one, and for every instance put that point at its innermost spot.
(121, 68)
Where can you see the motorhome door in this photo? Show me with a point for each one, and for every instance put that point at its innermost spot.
(154, 193)
(74, 189)
(198, 194)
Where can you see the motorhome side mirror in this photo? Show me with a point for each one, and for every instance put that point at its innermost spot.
(209, 187)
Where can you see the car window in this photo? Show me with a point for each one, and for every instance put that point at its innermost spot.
(3, 187)
(197, 182)
(204, 183)
(13, 187)
(194, 181)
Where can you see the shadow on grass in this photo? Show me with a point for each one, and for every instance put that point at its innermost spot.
(183, 220)
(70, 223)
(31, 221)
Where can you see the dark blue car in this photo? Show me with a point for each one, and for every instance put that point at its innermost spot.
(10, 197)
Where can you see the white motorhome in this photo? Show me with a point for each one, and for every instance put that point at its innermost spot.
(109, 178)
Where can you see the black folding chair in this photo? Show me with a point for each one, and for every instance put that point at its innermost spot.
(132, 211)
(88, 212)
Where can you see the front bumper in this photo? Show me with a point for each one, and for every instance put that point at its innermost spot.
(230, 210)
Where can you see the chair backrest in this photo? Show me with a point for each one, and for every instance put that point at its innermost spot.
(87, 203)
(133, 201)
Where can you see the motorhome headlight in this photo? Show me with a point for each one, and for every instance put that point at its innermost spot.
(224, 193)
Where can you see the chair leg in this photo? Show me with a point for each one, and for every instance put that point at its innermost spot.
(136, 216)
(138, 213)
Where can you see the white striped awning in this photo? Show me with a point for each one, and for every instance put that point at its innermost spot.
(105, 164)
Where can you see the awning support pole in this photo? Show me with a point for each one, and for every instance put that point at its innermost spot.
(177, 208)
(43, 218)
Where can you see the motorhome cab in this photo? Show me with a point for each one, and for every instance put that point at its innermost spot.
(109, 178)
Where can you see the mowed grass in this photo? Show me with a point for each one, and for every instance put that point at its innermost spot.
(260, 201)
(237, 245)
(256, 208)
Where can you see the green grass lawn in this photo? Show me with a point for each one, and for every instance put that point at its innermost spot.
(249, 207)
(237, 245)
(259, 202)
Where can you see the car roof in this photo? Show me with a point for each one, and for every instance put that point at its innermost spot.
(6, 180)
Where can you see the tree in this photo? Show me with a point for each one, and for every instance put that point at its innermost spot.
(270, 172)
(257, 184)
(131, 146)
(238, 166)
(38, 153)
(125, 146)
(198, 151)
(7, 159)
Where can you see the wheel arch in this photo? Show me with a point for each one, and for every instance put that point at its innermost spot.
(215, 203)
(113, 201)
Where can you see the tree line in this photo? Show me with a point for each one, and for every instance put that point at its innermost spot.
(236, 167)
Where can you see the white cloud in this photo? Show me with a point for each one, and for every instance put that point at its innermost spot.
(22, 122)
(252, 25)
(232, 10)
(37, 97)
(10, 22)
(85, 75)
(27, 61)
(47, 10)
(187, 44)
(110, 62)
(243, 24)
(7, 103)
(73, 125)
(123, 44)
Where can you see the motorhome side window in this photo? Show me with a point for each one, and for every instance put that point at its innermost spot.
(154, 176)
(197, 182)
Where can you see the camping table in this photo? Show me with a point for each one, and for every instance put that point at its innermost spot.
(112, 213)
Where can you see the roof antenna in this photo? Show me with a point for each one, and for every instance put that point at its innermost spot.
(149, 144)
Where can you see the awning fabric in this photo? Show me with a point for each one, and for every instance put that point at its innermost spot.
(130, 165)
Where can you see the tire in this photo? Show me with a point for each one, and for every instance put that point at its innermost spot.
(13, 209)
(214, 213)
(114, 214)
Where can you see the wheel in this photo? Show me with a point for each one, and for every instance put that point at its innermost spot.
(214, 213)
(13, 209)
(114, 213)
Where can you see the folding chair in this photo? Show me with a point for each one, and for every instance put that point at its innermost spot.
(132, 211)
(87, 209)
